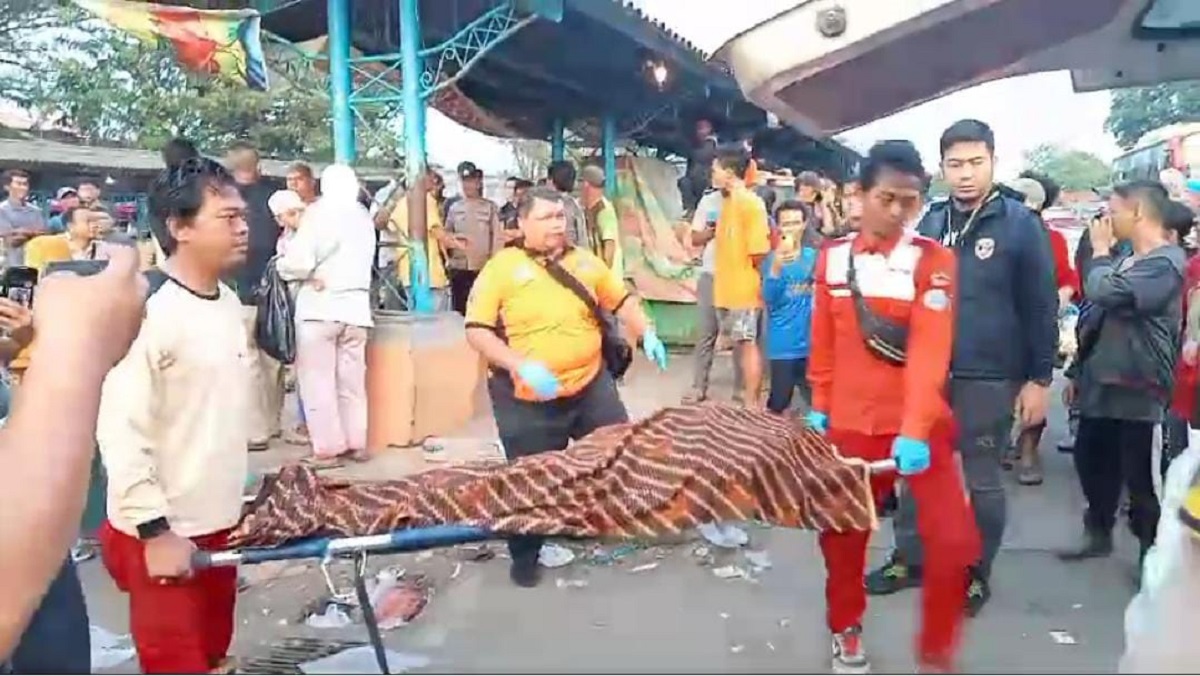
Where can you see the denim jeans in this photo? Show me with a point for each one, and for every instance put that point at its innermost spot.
(57, 640)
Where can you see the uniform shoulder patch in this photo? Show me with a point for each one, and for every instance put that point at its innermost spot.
(936, 299)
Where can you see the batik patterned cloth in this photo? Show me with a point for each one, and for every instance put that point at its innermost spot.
(660, 476)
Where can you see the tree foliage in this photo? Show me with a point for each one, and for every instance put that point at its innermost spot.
(1072, 169)
(1138, 110)
(110, 88)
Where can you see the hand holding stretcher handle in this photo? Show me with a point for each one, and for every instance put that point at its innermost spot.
(882, 466)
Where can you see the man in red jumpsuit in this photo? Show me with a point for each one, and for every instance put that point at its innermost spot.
(881, 338)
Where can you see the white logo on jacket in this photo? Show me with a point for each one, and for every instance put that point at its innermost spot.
(984, 248)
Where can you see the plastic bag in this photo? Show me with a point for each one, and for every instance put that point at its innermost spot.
(1160, 622)
(275, 322)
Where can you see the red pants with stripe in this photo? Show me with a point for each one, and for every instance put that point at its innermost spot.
(183, 627)
(947, 528)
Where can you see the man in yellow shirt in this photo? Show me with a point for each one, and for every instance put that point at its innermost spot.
(437, 242)
(548, 379)
(602, 220)
(742, 241)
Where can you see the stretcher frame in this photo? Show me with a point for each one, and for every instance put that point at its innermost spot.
(357, 549)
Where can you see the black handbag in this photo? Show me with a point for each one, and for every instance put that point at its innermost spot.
(616, 351)
(886, 339)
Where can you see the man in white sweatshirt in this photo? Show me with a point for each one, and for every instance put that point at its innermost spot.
(173, 422)
(331, 255)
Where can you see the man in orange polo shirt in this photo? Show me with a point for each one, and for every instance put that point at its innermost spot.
(548, 380)
(742, 241)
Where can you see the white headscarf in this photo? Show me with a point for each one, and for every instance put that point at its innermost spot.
(339, 184)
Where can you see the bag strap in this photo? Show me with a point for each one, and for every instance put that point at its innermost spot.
(572, 284)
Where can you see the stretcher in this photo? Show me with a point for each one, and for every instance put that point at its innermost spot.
(357, 549)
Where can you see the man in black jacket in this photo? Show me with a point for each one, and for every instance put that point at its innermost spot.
(1005, 336)
(1122, 379)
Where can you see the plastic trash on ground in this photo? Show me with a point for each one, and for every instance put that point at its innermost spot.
(1160, 622)
(361, 660)
(724, 535)
(333, 616)
(396, 601)
(555, 556)
(110, 650)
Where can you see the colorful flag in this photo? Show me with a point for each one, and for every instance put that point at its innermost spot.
(220, 43)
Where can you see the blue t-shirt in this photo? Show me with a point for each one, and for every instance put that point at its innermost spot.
(788, 299)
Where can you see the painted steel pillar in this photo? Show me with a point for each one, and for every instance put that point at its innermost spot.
(340, 82)
(412, 68)
(608, 143)
(558, 141)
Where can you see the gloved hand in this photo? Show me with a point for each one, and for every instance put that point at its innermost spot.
(1070, 310)
(817, 421)
(911, 455)
(654, 349)
(539, 379)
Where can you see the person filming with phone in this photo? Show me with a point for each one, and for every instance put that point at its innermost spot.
(83, 326)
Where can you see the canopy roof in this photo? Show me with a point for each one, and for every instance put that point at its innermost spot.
(593, 61)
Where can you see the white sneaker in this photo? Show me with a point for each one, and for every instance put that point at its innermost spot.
(849, 657)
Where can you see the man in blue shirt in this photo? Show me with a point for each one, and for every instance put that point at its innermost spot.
(787, 294)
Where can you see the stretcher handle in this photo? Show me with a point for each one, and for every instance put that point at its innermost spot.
(409, 540)
(882, 466)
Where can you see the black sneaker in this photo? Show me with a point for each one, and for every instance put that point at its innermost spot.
(978, 593)
(892, 576)
(1095, 544)
(525, 572)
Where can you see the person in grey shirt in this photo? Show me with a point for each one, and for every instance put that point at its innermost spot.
(20, 221)
(562, 176)
(1124, 370)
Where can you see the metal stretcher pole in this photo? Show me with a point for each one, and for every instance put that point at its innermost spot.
(368, 611)
(882, 466)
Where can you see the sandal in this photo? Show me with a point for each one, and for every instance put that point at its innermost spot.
(693, 397)
(359, 456)
(323, 463)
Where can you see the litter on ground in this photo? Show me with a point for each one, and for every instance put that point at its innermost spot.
(555, 556)
(724, 535)
(361, 660)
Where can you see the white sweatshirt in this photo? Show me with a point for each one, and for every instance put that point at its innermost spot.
(173, 421)
(335, 244)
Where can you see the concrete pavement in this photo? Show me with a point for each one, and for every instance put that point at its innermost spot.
(677, 616)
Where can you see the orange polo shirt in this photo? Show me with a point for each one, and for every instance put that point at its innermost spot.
(543, 320)
(742, 233)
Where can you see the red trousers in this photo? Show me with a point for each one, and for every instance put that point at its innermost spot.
(184, 627)
(947, 528)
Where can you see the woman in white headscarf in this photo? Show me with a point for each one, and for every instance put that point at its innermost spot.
(331, 255)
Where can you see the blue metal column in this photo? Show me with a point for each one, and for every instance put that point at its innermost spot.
(412, 69)
(558, 141)
(608, 143)
(339, 80)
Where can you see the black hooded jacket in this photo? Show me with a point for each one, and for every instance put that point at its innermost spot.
(1006, 322)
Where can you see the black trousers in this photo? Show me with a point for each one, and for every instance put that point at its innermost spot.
(531, 427)
(786, 376)
(461, 282)
(1109, 454)
(57, 640)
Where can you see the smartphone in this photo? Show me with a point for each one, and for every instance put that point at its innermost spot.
(17, 284)
(84, 268)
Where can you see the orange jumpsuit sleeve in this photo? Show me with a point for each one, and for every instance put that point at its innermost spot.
(930, 341)
(820, 356)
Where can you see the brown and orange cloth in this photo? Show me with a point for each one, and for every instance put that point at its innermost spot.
(665, 474)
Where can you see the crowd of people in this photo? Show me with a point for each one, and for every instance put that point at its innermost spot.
(914, 331)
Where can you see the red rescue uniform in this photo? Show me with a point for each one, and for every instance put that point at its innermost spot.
(910, 280)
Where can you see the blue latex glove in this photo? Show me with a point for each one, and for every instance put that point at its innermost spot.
(911, 456)
(539, 379)
(817, 421)
(654, 349)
